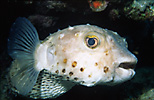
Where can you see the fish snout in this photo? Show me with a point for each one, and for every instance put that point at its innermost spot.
(128, 62)
(124, 68)
(126, 59)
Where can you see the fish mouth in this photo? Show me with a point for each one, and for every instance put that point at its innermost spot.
(123, 72)
(127, 65)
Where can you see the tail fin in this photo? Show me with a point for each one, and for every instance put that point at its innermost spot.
(22, 43)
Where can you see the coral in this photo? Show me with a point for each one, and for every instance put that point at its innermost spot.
(114, 14)
(149, 95)
(98, 5)
(140, 10)
(4, 90)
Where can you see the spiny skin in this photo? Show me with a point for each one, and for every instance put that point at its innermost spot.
(69, 56)
(84, 54)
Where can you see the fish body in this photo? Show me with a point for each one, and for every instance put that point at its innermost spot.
(80, 55)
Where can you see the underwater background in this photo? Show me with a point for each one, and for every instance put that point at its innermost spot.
(133, 20)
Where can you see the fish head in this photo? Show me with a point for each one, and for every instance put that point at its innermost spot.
(90, 55)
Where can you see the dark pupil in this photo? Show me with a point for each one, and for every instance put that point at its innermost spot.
(91, 41)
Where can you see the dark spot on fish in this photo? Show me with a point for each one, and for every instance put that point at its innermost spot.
(75, 78)
(57, 63)
(106, 69)
(57, 71)
(82, 82)
(39, 86)
(48, 80)
(46, 85)
(56, 77)
(74, 64)
(63, 70)
(12, 74)
(43, 81)
(67, 78)
(94, 82)
(111, 40)
(81, 69)
(60, 76)
(71, 73)
(106, 52)
(51, 75)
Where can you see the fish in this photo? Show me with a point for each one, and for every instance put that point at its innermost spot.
(85, 55)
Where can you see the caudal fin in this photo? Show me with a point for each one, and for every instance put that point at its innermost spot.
(22, 43)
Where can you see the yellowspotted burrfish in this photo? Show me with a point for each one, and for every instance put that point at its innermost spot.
(80, 55)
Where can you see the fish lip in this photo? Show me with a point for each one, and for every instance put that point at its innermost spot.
(127, 65)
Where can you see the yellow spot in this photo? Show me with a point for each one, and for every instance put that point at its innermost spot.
(64, 49)
(57, 63)
(65, 60)
(106, 69)
(96, 64)
(89, 76)
(76, 34)
(55, 53)
(74, 64)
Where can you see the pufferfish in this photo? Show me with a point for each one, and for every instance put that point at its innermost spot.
(81, 55)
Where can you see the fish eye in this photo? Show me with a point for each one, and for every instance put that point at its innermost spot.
(92, 41)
